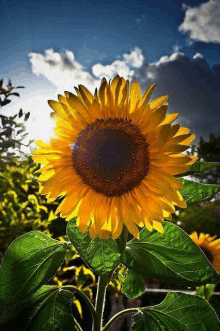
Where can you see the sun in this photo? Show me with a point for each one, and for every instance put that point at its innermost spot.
(113, 159)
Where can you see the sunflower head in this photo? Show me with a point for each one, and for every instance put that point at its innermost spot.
(209, 246)
(113, 158)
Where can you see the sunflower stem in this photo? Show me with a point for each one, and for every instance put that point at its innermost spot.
(100, 300)
(116, 316)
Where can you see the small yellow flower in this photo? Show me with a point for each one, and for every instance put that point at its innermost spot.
(114, 159)
(210, 247)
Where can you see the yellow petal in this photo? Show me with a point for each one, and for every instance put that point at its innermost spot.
(167, 215)
(57, 107)
(92, 230)
(193, 159)
(172, 160)
(180, 139)
(117, 229)
(85, 210)
(107, 226)
(86, 95)
(146, 97)
(158, 102)
(182, 131)
(177, 199)
(101, 93)
(46, 175)
(135, 95)
(176, 170)
(175, 148)
(170, 118)
(188, 140)
(163, 135)
(158, 226)
(76, 104)
(148, 225)
(155, 119)
(119, 91)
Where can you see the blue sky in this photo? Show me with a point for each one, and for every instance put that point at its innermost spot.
(46, 46)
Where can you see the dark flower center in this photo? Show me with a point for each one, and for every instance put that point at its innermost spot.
(207, 253)
(111, 156)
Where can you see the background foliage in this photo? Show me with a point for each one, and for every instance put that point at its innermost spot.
(22, 208)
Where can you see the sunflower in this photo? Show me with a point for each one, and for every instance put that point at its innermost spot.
(210, 247)
(114, 158)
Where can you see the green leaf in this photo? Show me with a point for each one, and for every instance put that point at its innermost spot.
(133, 284)
(50, 310)
(102, 256)
(178, 311)
(199, 167)
(194, 192)
(171, 256)
(30, 261)
(47, 309)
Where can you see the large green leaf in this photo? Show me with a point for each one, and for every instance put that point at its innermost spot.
(171, 256)
(194, 192)
(47, 309)
(30, 261)
(199, 167)
(50, 310)
(132, 284)
(102, 256)
(178, 312)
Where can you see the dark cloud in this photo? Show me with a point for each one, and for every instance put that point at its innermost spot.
(193, 89)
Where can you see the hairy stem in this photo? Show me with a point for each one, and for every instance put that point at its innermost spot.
(100, 300)
(84, 296)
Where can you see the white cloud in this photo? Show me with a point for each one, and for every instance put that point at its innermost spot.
(202, 22)
(65, 72)
(61, 69)
(135, 59)
(121, 67)
(110, 70)
(198, 56)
